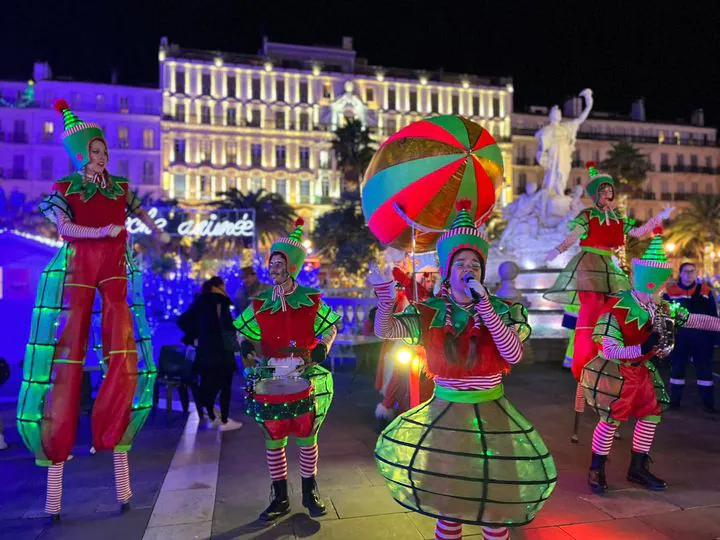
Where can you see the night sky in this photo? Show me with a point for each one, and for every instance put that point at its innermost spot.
(622, 50)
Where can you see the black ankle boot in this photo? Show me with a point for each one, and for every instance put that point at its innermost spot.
(596, 474)
(639, 473)
(310, 498)
(280, 504)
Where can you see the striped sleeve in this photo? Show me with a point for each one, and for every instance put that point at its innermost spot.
(703, 322)
(387, 326)
(67, 229)
(507, 342)
(614, 350)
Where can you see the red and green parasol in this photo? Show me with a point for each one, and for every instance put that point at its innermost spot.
(421, 171)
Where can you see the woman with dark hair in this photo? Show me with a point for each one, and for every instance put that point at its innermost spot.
(467, 455)
(216, 347)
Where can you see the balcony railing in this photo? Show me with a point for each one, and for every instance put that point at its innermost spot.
(18, 137)
(665, 168)
(519, 160)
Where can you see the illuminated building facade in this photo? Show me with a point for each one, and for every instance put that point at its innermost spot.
(267, 120)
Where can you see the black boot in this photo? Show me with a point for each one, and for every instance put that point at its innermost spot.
(707, 398)
(310, 498)
(639, 472)
(596, 474)
(676, 392)
(280, 504)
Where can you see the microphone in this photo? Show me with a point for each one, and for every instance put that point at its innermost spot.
(468, 278)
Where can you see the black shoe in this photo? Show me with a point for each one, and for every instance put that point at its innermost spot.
(125, 507)
(280, 504)
(676, 392)
(54, 518)
(707, 398)
(596, 474)
(639, 473)
(311, 499)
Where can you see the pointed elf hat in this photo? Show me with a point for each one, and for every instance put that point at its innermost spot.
(652, 270)
(291, 247)
(462, 234)
(77, 135)
(596, 179)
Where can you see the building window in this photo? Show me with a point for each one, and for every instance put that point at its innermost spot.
(413, 100)
(325, 187)
(680, 160)
(303, 92)
(281, 187)
(148, 138)
(179, 150)
(206, 152)
(180, 112)
(476, 105)
(455, 104)
(522, 183)
(279, 119)
(179, 185)
(123, 138)
(123, 167)
(694, 163)
(434, 102)
(324, 159)
(231, 153)
(232, 87)
(280, 156)
(304, 121)
(256, 183)
(204, 188)
(391, 99)
(254, 120)
(681, 187)
(708, 164)
(369, 94)
(205, 84)
(124, 104)
(205, 114)
(390, 126)
(279, 90)
(100, 102)
(496, 106)
(180, 88)
(232, 116)
(664, 162)
(694, 187)
(255, 88)
(304, 157)
(256, 155)
(48, 130)
(148, 175)
(46, 168)
(304, 191)
(327, 91)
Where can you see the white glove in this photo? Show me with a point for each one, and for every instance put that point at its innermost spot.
(376, 276)
(478, 287)
(666, 212)
(113, 230)
(164, 237)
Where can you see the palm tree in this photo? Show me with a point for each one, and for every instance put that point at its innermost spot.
(273, 215)
(628, 165)
(697, 226)
(354, 149)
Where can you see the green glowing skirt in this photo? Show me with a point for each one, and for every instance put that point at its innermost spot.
(468, 456)
(587, 272)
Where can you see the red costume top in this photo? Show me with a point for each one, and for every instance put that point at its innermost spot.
(602, 230)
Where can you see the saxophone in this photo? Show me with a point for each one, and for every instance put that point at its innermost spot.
(664, 326)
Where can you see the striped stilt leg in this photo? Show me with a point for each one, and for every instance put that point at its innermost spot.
(53, 499)
(122, 479)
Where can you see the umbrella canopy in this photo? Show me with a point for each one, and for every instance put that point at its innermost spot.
(423, 169)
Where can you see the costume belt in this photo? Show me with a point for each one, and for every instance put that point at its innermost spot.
(597, 251)
(469, 396)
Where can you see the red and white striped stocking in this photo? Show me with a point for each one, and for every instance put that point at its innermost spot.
(53, 499)
(277, 463)
(579, 399)
(643, 436)
(308, 461)
(448, 530)
(496, 533)
(122, 476)
(603, 438)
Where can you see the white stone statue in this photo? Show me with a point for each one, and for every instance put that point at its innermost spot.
(556, 144)
(348, 101)
(523, 216)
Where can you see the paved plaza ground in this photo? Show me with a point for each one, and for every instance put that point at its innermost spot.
(193, 483)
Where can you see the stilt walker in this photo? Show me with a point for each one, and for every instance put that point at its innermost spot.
(89, 208)
(467, 455)
(289, 392)
(621, 381)
(592, 276)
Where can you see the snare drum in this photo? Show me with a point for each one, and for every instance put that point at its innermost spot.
(280, 399)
